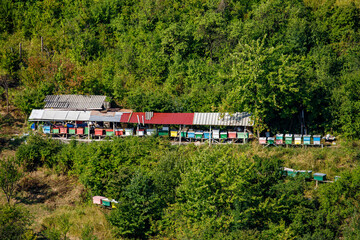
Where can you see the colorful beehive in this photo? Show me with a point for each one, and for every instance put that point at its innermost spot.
(199, 134)
(307, 139)
(270, 140)
(216, 133)
(297, 139)
(63, 130)
(109, 132)
(46, 129)
(99, 131)
(207, 135)
(184, 133)
(279, 139)
(113, 204)
(174, 133)
(223, 135)
(320, 176)
(316, 139)
(305, 173)
(129, 131)
(191, 134)
(119, 131)
(151, 131)
(163, 133)
(242, 135)
(86, 130)
(288, 139)
(106, 202)
(56, 130)
(290, 172)
(72, 130)
(232, 134)
(98, 199)
(262, 140)
(140, 132)
(80, 131)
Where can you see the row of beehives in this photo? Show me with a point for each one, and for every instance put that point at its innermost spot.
(291, 139)
(103, 201)
(305, 173)
(165, 132)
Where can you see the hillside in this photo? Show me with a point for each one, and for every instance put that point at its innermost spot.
(273, 58)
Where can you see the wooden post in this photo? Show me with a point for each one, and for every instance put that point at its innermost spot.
(210, 137)
(180, 135)
(88, 130)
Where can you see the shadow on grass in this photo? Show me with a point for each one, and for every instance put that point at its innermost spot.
(33, 191)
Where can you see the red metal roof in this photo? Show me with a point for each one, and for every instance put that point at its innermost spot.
(159, 118)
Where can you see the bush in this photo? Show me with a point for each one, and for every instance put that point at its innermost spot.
(37, 152)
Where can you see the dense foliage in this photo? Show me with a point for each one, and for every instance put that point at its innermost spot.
(273, 58)
(201, 192)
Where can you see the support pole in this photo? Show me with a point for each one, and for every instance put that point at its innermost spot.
(210, 137)
(180, 135)
(88, 130)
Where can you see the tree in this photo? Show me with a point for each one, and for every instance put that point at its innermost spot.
(9, 176)
(264, 81)
(14, 223)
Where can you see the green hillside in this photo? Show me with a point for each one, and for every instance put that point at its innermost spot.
(272, 58)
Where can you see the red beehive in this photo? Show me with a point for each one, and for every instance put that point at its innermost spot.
(98, 131)
(80, 131)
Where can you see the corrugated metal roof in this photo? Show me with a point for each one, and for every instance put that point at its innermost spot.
(105, 117)
(75, 102)
(159, 118)
(223, 119)
(55, 115)
(36, 114)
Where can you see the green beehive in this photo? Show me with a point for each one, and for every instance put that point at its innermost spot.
(199, 134)
(163, 133)
(223, 135)
(71, 130)
(319, 176)
(183, 133)
(56, 130)
(243, 135)
(292, 173)
(86, 131)
(109, 133)
(106, 202)
(288, 138)
(270, 140)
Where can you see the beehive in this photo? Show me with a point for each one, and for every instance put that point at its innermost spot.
(72, 130)
(109, 132)
(98, 131)
(56, 130)
(297, 139)
(316, 139)
(174, 133)
(262, 140)
(307, 139)
(270, 140)
(151, 131)
(216, 133)
(320, 176)
(80, 131)
(288, 139)
(223, 135)
(279, 139)
(232, 134)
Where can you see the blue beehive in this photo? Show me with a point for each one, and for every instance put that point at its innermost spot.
(316, 139)
(306, 139)
(46, 129)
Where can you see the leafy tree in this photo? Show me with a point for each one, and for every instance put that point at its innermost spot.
(9, 176)
(14, 223)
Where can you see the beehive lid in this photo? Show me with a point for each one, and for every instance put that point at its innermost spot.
(319, 174)
(288, 135)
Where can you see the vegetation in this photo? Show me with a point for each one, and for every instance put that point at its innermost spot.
(276, 59)
(202, 192)
(9, 176)
(273, 58)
